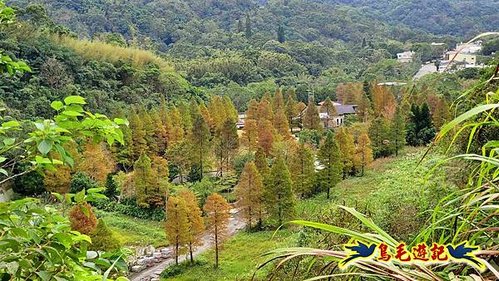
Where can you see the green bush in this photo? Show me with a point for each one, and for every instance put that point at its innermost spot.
(130, 208)
(175, 270)
(111, 187)
(81, 181)
(30, 184)
(103, 238)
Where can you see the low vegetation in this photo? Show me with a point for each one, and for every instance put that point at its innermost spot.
(241, 256)
(132, 231)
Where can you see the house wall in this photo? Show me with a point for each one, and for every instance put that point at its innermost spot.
(467, 58)
(333, 122)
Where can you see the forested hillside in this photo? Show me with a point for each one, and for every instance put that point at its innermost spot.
(218, 131)
(224, 47)
(168, 22)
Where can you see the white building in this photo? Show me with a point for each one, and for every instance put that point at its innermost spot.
(405, 57)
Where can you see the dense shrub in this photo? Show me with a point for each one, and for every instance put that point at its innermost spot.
(130, 208)
(82, 218)
(420, 129)
(103, 238)
(175, 270)
(30, 184)
(195, 173)
(111, 187)
(81, 181)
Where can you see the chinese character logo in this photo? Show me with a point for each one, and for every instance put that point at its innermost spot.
(418, 254)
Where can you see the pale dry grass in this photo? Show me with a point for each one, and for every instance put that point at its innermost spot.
(98, 50)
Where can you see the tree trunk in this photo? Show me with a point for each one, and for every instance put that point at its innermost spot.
(201, 160)
(176, 253)
(216, 246)
(190, 252)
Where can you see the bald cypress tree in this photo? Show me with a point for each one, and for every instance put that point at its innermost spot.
(249, 192)
(363, 152)
(142, 179)
(201, 143)
(226, 143)
(250, 134)
(218, 213)
(311, 119)
(261, 163)
(281, 124)
(329, 158)
(195, 220)
(291, 108)
(177, 225)
(139, 143)
(302, 170)
(266, 133)
(347, 149)
(278, 195)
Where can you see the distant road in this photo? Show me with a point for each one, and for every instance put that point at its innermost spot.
(425, 69)
(236, 223)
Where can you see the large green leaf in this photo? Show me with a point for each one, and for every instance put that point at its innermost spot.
(57, 105)
(45, 146)
(74, 100)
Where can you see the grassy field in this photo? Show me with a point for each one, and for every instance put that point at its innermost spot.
(133, 231)
(396, 192)
(239, 258)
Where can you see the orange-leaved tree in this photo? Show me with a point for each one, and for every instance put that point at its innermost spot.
(176, 224)
(363, 152)
(217, 210)
(249, 192)
(194, 218)
(97, 162)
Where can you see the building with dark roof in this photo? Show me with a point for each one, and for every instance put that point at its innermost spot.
(336, 120)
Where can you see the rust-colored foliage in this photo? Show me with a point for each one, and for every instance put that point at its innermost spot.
(266, 136)
(217, 211)
(195, 220)
(249, 191)
(82, 218)
(176, 225)
(97, 162)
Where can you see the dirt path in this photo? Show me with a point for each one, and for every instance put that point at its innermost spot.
(236, 223)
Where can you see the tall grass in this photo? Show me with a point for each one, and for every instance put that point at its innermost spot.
(98, 50)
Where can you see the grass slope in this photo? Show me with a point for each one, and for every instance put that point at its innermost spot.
(395, 192)
(134, 231)
(239, 258)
